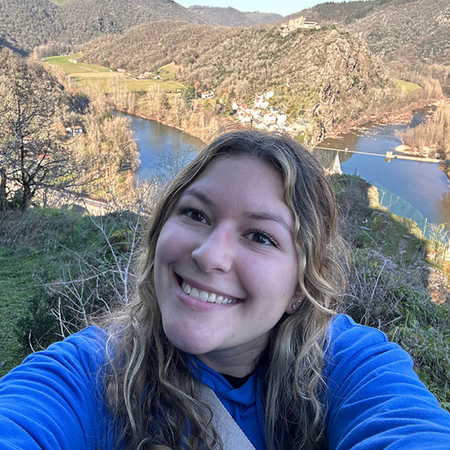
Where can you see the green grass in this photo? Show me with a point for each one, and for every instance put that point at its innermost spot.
(16, 288)
(35, 247)
(83, 74)
(72, 67)
(406, 86)
(143, 85)
(168, 72)
(140, 85)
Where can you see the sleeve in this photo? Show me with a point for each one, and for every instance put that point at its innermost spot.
(374, 398)
(52, 400)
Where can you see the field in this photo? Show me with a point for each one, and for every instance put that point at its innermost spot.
(83, 73)
(406, 86)
(65, 62)
(168, 71)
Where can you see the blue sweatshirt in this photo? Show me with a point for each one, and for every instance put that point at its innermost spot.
(375, 400)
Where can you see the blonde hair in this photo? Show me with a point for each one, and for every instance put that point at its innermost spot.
(149, 387)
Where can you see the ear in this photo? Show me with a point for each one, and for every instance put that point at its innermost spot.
(295, 301)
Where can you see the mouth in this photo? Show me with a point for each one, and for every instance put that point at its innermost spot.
(205, 296)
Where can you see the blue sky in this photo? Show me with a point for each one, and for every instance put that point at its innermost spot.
(283, 7)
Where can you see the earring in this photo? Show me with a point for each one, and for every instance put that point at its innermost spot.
(296, 305)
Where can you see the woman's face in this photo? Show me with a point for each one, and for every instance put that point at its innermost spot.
(226, 268)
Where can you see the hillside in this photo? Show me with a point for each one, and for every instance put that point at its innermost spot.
(25, 24)
(409, 32)
(260, 18)
(231, 17)
(342, 12)
(324, 76)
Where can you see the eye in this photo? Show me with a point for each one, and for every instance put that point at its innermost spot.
(260, 237)
(195, 214)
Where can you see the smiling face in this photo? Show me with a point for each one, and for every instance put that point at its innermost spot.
(226, 266)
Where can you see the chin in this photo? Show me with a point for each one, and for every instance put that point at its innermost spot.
(186, 341)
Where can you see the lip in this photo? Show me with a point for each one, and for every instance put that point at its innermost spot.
(198, 304)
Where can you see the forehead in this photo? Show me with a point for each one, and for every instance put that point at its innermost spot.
(244, 180)
(241, 169)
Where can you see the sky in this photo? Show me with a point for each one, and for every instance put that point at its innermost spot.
(283, 7)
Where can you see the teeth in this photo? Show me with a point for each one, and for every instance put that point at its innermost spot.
(204, 296)
(186, 288)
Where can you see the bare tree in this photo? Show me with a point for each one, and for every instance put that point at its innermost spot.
(33, 155)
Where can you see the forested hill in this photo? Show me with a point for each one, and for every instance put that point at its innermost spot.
(231, 17)
(343, 12)
(324, 75)
(404, 31)
(25, 24)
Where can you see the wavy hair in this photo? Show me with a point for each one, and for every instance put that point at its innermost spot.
(149, 386)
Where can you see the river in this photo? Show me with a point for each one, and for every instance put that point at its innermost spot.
(161, 148)
(423, 187)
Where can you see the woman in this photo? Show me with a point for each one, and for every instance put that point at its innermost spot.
(233, 316)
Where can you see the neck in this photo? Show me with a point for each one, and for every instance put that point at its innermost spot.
(237, 364)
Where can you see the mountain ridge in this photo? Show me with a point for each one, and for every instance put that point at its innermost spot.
(25, 24)
(323, 76)
(406, 32)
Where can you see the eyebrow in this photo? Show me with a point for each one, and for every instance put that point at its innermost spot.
(199, 194)
(268, 216)
(250, 215)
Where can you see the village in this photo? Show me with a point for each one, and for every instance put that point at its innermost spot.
(261, 116)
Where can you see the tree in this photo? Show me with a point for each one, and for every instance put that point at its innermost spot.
(33, 155)
(156, 101)
(187, 95)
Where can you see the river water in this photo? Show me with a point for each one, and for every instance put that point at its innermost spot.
(422, 186)
(161, 148)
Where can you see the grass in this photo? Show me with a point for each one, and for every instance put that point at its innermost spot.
(168, 72)
(75, 68)
(406, 86)
(16, 287)
(83, 73)
(34, 249)
(133, 85)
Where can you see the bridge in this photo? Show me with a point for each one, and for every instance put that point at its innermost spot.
(388, 156)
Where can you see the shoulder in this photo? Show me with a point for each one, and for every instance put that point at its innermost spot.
(82, 352)
(373, 396)
(54, 398)
(347, 340)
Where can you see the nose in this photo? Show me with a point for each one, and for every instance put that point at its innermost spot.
(214, 253)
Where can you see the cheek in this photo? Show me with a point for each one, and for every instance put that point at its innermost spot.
(170, 243)
(274, 280)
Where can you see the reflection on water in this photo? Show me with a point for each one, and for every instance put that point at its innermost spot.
(158, 144)
(421, 184)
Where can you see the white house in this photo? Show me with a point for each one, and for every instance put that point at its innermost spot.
(74, 131)
(209, 94)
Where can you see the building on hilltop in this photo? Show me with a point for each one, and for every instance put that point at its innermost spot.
(297, 23)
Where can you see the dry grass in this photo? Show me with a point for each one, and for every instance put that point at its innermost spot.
(433, 137)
